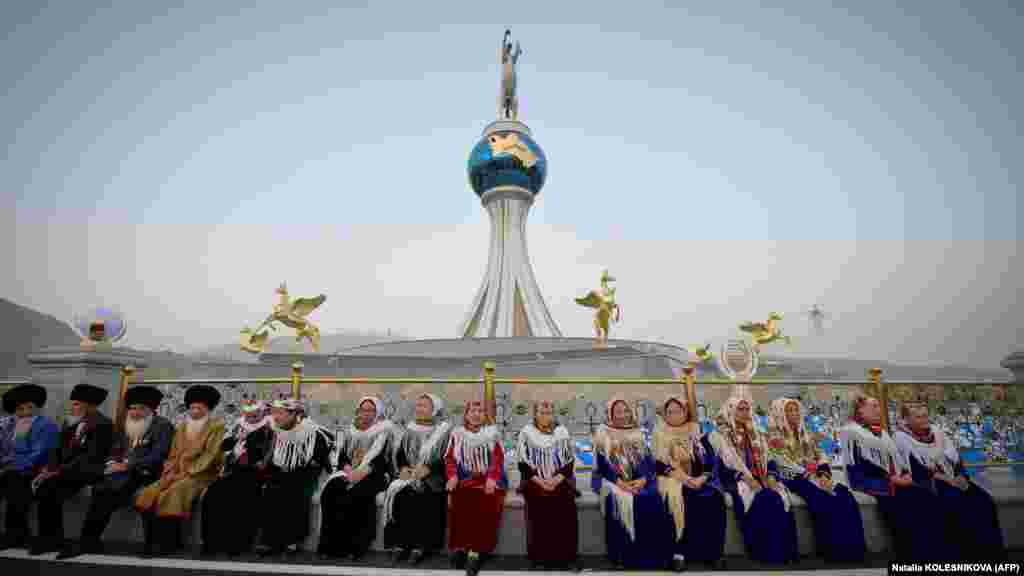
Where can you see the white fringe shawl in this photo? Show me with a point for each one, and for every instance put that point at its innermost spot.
(940, 453)
(424, 456)
(294, 449)
(878, 450)
(725, 450)
(373, 440)
(545, 453)
(472, 450)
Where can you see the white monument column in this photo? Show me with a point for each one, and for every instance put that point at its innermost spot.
(60, 369)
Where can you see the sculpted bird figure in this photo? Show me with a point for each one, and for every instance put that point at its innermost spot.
(703, 353)
(767, 332)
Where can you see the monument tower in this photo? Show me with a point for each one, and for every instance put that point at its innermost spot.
(506, 171)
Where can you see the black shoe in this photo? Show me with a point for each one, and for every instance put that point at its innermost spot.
(678, 565)
(358, 555)
(577, 566)
(400, 555)
(416, 557)
(719, 565)
(69, 551)
(472, 565)
(459, 560)
(8, 543)
(43, 547)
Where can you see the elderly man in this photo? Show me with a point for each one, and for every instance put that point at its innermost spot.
(301, 453)
(136, 461)
(85, 446)
(25, 446)
(195, 461)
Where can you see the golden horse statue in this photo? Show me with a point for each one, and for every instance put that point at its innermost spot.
(767, 332)
(603, 300)
(291, 313)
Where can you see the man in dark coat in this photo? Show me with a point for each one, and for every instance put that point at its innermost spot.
(85, 446)
(136, 460)
(26, 442)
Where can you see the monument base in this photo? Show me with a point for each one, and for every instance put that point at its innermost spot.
(60, 369)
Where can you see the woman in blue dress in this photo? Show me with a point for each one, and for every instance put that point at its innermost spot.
(874, 466)
(838, 526)
(637, 533)
(972, 528)
(696, 507)
(760, 500)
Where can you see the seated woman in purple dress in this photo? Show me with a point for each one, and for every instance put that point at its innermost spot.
(684, 473)
(759, 500)
(875, 467)
(972, 530)
(838, 527)
(637, 533)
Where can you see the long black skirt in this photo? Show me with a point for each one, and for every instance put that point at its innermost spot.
(419, 521)
(349, 517)
(286, 501)
(231, 513)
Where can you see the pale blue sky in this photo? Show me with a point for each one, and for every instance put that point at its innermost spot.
(693, 130)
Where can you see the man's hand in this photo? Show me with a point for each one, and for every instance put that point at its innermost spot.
(421, 472)
(405, 474)
(639, 484)
(117, 467)
(452, 484)
(347, 469)
(627, 486)
(679, 475)
(356, 475)
(489, 486)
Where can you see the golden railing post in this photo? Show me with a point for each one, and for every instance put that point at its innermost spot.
(121, 410)
(297, 381)
(691, 391)
(490, 398)
(883, 396)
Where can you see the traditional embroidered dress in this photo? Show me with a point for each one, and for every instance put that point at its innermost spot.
(769, 528)
(697, 516)
(638, 533)
(300, 456)
(912, 512)
(230, 516)
(552, 525)
(416, 509)
(838, 526)
(972, 530)
(473, 456)
(349, 511)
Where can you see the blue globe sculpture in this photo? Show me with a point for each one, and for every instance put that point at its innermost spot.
(507, 158)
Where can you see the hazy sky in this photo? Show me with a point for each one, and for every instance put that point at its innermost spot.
(723, 160)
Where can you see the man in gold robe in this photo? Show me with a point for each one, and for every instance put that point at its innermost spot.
(194, 463)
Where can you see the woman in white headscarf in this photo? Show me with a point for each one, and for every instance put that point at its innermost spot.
(760, 501)
(348, 502)
(637, 529)
(548, 484)
(416, 504)
(804, 468)
(684, 470)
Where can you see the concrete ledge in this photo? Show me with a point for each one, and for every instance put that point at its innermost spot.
(126, 526)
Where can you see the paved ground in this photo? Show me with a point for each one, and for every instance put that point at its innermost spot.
(122, 561)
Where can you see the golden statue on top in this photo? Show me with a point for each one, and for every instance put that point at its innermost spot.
(603, 300)
(291, 313)
(765, 333)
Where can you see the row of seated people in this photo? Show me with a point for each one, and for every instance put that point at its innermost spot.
(663, 500)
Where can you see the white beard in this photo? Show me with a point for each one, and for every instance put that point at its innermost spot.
(194, 427)
(70, 420)
(136, 429)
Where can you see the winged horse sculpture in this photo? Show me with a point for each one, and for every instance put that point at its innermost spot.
(603, 300)
(765, 332)
(291, 313)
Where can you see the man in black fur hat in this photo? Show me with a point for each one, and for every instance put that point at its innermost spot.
(26, 442)
(136, 460)
(86, 441)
